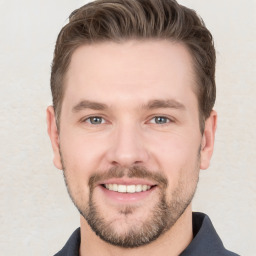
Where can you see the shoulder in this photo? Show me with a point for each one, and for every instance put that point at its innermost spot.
(71, 248)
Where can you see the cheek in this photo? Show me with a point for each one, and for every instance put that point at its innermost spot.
(80, 151)
(81, 158)
(177, 156)
(175, 149)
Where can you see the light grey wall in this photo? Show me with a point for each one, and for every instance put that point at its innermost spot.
(36, 215)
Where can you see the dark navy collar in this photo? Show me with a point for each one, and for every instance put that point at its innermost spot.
(205, 242)
(71, 248)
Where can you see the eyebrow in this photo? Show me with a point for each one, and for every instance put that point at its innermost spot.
(152, 104)
(168, 103)
(87, 104)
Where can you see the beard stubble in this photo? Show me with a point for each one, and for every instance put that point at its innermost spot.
(160, 219)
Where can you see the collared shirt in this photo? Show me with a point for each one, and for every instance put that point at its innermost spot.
(206, 241)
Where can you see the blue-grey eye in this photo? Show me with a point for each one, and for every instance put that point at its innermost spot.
(95, 120)
(160, 120)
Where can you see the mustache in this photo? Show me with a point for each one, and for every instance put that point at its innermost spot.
(131, 172)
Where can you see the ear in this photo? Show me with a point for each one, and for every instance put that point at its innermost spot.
(54, 136)
(208, 140)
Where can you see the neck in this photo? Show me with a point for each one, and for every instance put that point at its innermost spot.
(171, 243)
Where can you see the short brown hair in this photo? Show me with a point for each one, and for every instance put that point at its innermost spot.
(119, 20)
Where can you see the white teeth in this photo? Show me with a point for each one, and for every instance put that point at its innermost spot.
(138, 188)
(115, 187)
(121, 188)
(128, 188)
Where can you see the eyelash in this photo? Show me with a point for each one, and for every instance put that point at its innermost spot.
(89, 120)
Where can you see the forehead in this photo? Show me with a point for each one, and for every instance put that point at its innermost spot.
(136, 70)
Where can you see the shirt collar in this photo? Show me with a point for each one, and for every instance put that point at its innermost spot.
(206, 240)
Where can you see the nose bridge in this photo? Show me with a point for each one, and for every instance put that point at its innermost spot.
(127, 145)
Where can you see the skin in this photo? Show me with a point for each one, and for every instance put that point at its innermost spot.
(126, 77)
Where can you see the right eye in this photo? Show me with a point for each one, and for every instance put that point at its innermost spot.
(95, 120)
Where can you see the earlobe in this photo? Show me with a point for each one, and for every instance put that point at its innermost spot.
(207, 143)
(54, 136)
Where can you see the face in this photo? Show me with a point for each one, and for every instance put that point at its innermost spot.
(129, 142)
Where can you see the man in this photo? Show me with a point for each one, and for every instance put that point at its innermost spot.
(132, 123)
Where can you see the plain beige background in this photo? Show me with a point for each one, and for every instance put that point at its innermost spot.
(36, 214)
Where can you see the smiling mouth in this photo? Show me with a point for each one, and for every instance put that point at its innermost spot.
(127, 188)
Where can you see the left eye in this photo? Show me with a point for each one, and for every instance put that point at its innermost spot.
(160, 120)
(95, 120)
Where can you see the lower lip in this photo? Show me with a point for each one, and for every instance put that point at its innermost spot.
(126, 197)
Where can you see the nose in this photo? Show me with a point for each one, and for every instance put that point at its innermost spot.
(127, 147)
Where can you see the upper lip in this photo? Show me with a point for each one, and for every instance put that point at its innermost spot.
(127, 181)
